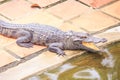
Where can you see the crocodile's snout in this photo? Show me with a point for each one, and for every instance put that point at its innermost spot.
(95, 40)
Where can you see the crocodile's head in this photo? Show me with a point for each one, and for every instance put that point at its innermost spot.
(80, 38)
(85, 37)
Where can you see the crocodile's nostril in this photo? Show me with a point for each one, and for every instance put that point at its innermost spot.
(104, 40)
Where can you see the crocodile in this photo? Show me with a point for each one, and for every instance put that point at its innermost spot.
(53, 38)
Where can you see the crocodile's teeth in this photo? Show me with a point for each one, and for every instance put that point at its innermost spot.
(90, 45)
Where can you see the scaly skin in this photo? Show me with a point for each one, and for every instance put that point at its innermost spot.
(45, 35)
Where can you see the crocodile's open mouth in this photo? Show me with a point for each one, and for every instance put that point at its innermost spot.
(90, 45)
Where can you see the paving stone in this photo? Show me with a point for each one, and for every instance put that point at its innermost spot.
(21, 51)
(15, 8)
(44, 61)
(110, 36)
(94, 21)
(2, 18)
(113, 9)
(68, 9)
(96, 3)
(5, 58)
(40, 17)
(115, 29)
(67, 27)
(5, 41)
(1, 0)
(43, 3)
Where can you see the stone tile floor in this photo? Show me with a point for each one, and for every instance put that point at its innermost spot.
(101, 17)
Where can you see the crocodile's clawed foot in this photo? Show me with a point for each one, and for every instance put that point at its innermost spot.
(26, 45)
(29, 45)
(61, 54)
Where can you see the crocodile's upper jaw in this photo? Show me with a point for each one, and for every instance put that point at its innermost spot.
(95, 39)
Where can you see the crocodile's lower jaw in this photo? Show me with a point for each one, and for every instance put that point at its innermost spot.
(90, 45)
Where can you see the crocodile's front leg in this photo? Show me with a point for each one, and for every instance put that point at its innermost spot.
(56, 48)
(24, 39)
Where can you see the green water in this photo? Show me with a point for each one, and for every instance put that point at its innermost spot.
(88, 67)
